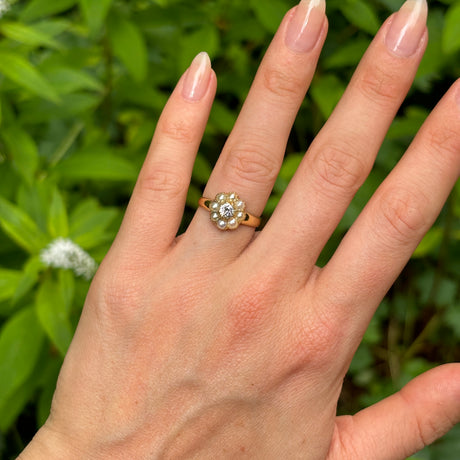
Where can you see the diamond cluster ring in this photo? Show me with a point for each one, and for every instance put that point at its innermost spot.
(227, 211)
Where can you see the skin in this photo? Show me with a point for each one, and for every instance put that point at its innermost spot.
(234, 344)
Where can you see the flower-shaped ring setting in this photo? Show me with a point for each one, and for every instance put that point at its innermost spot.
(227, 211)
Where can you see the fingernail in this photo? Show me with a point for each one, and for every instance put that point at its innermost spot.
(197, 77)
(305, 26)
(407, 28)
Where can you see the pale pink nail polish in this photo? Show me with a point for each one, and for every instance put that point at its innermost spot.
(305, 25)
(197, 78)
(407, 28)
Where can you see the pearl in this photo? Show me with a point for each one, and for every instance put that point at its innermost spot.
(232, 223)
(221, 198)
(240, 216)
(222, 224)
(233, 196)
(239, 205)
(213, 206)
(215, 216)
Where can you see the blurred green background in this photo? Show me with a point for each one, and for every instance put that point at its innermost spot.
(82, 84)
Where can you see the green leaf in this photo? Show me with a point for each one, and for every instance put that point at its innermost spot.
(37, 111)
(429, 243)
(9, 281)
(20, 227)
(222, 118)
(21, 341)
(203, 39)
(69, 80)
(23, 151)
(66, 281)
(290, 165)
(28, 35)
(201, 170)
(408, 124)
(433, 60)
(53, 26)
(348, 54)
(269, 13)
(22, 72)
(89, 222)
(362, 359)
(452, 319)
(326, 91)
(34, 200)
(287, 171)
(128, 45)
(66, 143)
(14, 405)
(29, 276)
(96, 165)
(42, 8)
(57, 216)
(53, 314)
(446, 292)
(48, 383)
(451, 35)
(193, 195)
(95, 12)
(361, 14)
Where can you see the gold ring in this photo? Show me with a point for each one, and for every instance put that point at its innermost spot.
(227, 211)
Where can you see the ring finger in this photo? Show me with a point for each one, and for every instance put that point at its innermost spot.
(253, 153)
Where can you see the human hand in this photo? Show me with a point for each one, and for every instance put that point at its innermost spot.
(227, 345)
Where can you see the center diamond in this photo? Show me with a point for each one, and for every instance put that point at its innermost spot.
(226, 211)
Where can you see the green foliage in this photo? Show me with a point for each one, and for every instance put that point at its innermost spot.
(82, 83)
(21, 341)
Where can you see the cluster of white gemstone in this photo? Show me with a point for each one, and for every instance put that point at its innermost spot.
(227, 211)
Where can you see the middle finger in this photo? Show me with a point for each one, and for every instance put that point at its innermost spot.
(342, 155)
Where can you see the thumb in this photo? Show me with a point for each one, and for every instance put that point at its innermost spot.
(404, 423)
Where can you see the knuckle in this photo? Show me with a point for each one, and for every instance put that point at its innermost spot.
(310, 346)
(162, 183)
(178, 130)
(282, 84)
(444, 141)
(380, 85)
(119, 301)
(337, 168)
(320, 338)
(403, 220)
(323, 336)
(247, 312)
(252, 163)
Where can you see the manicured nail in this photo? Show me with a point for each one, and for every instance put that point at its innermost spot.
(197, 78)
(407, 28)
(305, 26)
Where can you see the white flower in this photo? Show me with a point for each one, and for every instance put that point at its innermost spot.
(4, 6)
(64, 253)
